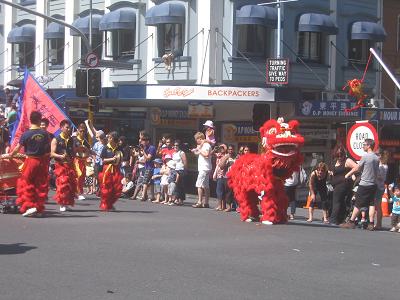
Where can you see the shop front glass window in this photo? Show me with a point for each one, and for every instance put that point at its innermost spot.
(252, 40)
(170, 37)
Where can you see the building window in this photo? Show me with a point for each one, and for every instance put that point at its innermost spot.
(310, 46)
(120, 43)
(97, 46)
(252, 40)
(398, 33)
(23, 54)
(56, 52)
(359, 51)
(170, 38)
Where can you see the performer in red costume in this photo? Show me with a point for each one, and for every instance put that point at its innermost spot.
(110, 178)
(32, 186)
(255, 177)
(82, 152)
(62, 149)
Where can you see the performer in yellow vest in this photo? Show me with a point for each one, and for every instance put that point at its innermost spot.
(62, 150)
(110, 178)
(82, 152)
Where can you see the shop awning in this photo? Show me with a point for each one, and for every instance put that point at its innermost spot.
(312, 22)
(171, 12)
(368, 31)
(257, 15)
(122, 18)
(82, 23)
(54, 31)
(22, 34)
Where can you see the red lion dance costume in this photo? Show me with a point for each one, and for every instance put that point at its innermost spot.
(33, 185)
(110, 179)
(65, 174)
(261, 176)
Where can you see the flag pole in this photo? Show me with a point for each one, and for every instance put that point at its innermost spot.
(385, 67)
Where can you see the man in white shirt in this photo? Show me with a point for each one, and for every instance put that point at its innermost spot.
(203, 150)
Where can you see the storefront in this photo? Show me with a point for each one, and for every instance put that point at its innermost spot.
(388, 123)
(181, 111)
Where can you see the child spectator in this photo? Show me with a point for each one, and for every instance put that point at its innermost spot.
(173, 178)
(157, 180)
(89, 179)
(164, 179)
(210, 132)
(396, 210)
(127, 185)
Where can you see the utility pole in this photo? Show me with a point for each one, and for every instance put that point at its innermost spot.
(278, 27)
(91, 100)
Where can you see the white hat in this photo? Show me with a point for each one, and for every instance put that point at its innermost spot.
(171, 164)
(209, 123)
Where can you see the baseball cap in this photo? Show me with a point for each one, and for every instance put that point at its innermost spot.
(209, 123)
(158, 161)
(171, 164)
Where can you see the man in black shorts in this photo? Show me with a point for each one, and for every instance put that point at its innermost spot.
(365, 195)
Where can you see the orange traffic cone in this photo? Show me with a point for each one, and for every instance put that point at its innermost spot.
(308, 201)
(385, 204)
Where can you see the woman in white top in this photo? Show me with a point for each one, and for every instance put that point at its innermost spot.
(179, 157)
(290, 190)
(380, 183)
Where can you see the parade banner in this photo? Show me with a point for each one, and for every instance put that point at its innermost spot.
(34, 97)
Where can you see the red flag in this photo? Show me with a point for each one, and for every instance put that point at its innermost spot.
(34, 97)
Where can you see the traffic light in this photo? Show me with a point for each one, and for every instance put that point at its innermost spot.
(81, 82)
(261, 113)
(94, 82)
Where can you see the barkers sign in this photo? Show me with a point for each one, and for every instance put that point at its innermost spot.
(356, 137)
(209, 93)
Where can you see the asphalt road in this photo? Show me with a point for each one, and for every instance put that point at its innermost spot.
(153, 251)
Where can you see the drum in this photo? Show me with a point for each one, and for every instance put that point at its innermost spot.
(9, 173)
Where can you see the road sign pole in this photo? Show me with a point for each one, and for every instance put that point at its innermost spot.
(90, 116)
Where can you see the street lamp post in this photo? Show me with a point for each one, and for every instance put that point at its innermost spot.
(278, 27)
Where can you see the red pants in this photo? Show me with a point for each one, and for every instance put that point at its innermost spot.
(110, 186)
(65, 183)
(80, 169)
(33, 185)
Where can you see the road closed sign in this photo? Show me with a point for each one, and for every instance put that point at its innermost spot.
(356, 137)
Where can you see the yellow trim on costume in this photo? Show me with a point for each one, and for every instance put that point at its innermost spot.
(64, 138)
(110, 166)
(77, 169)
